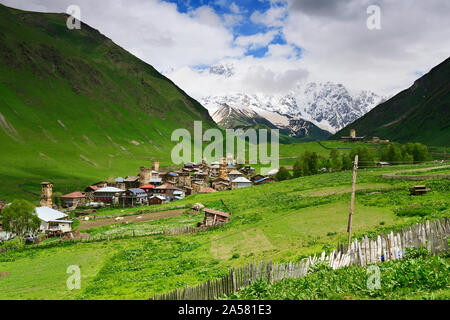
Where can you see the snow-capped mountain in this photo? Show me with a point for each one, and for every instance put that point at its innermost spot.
(329, 106)
(231, 117)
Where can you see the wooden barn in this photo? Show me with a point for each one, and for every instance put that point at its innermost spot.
(155, 200)
(215, 217)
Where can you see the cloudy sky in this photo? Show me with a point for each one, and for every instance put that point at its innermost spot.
(269, 45)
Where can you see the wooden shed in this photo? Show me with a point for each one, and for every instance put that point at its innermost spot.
(215, 217)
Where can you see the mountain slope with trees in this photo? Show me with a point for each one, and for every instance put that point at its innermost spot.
(418, 114)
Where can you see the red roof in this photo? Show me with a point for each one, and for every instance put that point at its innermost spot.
(73, 195)
(216, 212)
(208, 190)
(148, 186)
(95, 188)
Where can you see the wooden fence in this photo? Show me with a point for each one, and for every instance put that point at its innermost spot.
(428, 235)
(122, 236)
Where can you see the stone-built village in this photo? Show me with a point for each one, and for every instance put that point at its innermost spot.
(150, 186)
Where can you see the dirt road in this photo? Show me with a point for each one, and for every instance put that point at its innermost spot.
(84, 225)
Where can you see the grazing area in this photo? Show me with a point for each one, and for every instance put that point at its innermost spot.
(285, 221)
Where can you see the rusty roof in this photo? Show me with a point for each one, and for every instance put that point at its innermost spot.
(216, 212)
(73, 195)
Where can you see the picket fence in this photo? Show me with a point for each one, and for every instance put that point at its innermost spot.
(427, 235)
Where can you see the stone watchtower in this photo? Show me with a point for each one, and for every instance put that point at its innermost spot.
(155, 166)
(47, 194)
(223, 169)
(353, 133)
(145, 175)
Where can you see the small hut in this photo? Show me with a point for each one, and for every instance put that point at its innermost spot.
(215, 217)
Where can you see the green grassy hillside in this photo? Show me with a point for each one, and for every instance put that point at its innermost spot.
(285, 221)
(76, 108)
(418, 114)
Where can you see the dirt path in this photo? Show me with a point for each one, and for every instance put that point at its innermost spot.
(84, 225)
(394, 174)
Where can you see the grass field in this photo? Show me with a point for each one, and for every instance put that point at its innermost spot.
(417, 277)
(282, 222)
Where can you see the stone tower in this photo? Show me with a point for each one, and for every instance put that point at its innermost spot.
(223, 169)
(353, 133)
(145, 175)
(155, 166)
(47, 194)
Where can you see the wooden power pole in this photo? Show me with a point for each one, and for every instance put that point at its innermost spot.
(352, 201)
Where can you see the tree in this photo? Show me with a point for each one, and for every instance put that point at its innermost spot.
(366, 156)
(298, 172)
(282, 174)
(392, 153)
(335, 161)
(417, 150)
(347, 163)
(20, 218)
(310, 163)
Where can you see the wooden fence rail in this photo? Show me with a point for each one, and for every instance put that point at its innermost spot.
(428, 235)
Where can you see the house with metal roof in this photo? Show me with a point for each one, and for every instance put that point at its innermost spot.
(133, 197)
(108, 195)
(240, 182)
(53, 220)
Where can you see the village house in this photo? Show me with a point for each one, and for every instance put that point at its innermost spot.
(248, 170)
(166, 191)
(215, 217)
(230, 168)
(178, 195)
(234, 174)
(148, 189)
(264, 180)
(157, 199)
(256, 177)
(131, 182)
(222, 186)
(214, 169)
(240, 182)
(73, 199)
(108, 195)
(156, 181)
(134, 197)
(53, 220)
(119, 183)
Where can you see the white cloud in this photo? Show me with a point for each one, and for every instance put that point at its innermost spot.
(336, 44)
(256, 41)
(414, 36)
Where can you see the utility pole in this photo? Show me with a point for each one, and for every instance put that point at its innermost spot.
(352, 202)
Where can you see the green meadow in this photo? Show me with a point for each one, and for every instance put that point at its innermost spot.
(285, 221)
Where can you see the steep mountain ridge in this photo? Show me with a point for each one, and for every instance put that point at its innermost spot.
(75, 107)
(420, 113)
